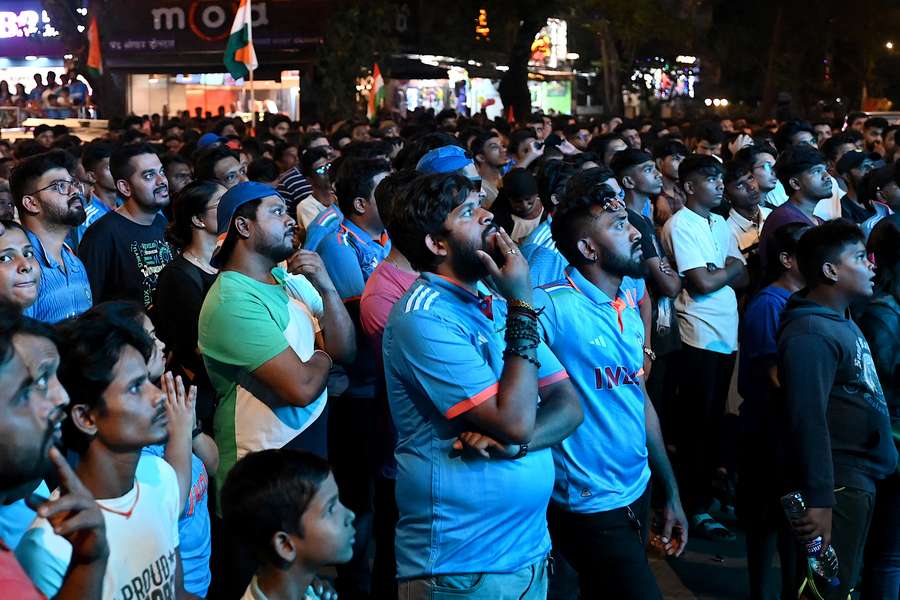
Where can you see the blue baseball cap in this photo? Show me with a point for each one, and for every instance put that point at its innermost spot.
(231, 200)
(445, 159)
(208, 139)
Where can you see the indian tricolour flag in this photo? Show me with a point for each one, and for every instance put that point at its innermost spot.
(240, 57)
(376, 94)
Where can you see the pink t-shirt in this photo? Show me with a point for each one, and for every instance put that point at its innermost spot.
(385, 286)
(13, 580)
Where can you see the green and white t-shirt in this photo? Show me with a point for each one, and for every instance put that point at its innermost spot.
(243, 324)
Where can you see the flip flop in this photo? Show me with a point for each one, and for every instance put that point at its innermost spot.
(704, 525)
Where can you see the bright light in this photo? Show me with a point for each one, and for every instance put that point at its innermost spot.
(67, 56)
(717, 102)
(152, 80)
(80, 28)
(573, 56)
(724, 102)
(29, 57)
(838, 100)
(708, 102)
(889, 45)
(502, 68)
(688, 60)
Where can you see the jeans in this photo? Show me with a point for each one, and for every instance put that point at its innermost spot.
(529, 583)
(851, 516)
(881, 575)
(607, 549)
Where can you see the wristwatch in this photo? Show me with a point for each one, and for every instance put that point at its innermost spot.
(650, 353)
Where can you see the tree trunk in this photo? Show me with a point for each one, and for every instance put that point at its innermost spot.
(612, 89)
(514, 84)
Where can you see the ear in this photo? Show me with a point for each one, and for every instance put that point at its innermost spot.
(688, 187)
(243, 227)
(123, 187)
(628, 182)
(830, 272)
(359, 205)
(30, 203)
(554, 199)
(83, 420)
(90, 176)
(785, 259)
(588, 249)
(197, 222)
(284, 546)
(437, 246)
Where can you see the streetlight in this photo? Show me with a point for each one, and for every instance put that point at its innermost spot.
(889, 45)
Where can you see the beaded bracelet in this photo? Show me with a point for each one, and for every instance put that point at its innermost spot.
(511, 352)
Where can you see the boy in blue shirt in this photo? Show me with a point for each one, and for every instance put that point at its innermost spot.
(465, 371)
(592, 324)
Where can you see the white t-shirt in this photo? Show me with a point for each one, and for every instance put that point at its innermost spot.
(830, 208)
(776, 197)
(142, 547)
(745, 231)
(707, 321)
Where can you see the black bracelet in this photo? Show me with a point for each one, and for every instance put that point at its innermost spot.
(513, 352)
(523, 450)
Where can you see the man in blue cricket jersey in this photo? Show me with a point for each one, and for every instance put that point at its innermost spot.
(350, 255)
(601, 497)
(466, 371)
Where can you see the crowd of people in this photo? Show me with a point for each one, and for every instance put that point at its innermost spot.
(53, 99)
(447, 356)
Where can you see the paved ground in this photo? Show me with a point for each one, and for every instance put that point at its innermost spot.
(707, 570)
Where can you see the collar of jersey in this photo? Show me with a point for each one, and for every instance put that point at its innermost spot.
(582, 285)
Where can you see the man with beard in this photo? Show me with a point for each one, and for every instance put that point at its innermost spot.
(873, 128)
(465, 371)
(267, 336)
(49, 202)
(602, 489)
(802, 171)
(33, 402)
(852, 168)
(126, 249)
(706, 255)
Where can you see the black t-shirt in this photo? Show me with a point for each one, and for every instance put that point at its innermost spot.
(644, 225)
(851, 210)
(123, 258)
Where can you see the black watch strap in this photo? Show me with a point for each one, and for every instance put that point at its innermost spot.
(523, 450)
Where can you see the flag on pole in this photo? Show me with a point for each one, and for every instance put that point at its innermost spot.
(240, 57)
(376, 94)
(94, 59)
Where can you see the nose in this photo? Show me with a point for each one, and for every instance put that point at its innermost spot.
(634, 235)
(23, 265)
(486, 217)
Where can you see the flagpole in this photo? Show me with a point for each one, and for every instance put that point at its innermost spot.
(252, 52)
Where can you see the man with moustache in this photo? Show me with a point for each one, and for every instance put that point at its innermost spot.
(126, 249)
(49, 202)
(465, 370)
(33, 402)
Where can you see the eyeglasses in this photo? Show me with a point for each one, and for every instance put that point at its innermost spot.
(323, 170)
(62, 187)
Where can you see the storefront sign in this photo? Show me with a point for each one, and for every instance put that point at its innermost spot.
(25, 30)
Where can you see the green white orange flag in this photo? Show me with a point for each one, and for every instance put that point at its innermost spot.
(94, 59)
(240, 57)
(376, 94)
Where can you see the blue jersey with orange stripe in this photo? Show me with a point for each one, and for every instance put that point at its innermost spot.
(599, 340)
(443, 355)
(327, 221)
(350, 255)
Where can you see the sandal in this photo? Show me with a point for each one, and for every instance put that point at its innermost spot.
(707, 527)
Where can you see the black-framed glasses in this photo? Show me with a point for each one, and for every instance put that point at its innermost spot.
(62, 187)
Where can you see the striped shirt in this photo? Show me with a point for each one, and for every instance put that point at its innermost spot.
(293, 187)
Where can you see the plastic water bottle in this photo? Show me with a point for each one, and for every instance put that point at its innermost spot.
(825, 566)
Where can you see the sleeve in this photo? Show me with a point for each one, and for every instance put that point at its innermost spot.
(343, 267)
(178, 302)
(45, 557)
(551, 369)
(299, 287)
(441, 359)
(684, 248)
(173, 506)
(547, 320)
(807, 365)
(734, 248)
(646, 231)
(94, 252)
(885, 347)
(761, 323)
(374, 310)
(224, 332)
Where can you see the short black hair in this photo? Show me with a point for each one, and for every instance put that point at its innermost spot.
(170, 159)
(879, 122)
(600, 143)
(785, 239)
(355, 179)
(570, 216)
(262, 169)
(795, 160)
(749, 153)
(205, 161)
(477, 145)
(831, 145)
(788, 130)
(281, 148)
(421, 211)
(93, 153)
(623, 160)
(120, 160)
(41, 129)
(26, 172)
(856, 114)
(267, 492)
(668, 146)
(389, 191)
(824, 244)
(702, 164)
(311, 157)
(13, 322)
(278, 119)
(552, 177)
(711, 131)
(583, 181)
(309, 137)
(518, 138)
(90, 347)
(735, 169)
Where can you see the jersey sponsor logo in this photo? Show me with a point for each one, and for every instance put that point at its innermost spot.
(611, 377)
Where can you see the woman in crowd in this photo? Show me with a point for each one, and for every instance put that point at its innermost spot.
(20, 273)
